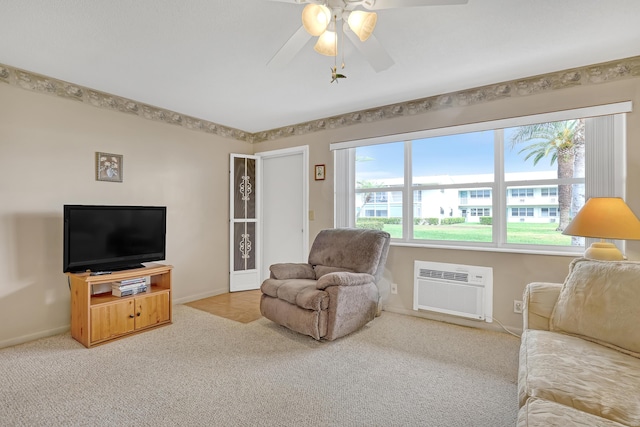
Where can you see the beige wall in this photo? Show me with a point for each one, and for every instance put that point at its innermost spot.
(47, 147)
(512, 271)
(47, 151)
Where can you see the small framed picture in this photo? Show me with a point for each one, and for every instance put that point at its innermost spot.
(109, 167)
(319, 175)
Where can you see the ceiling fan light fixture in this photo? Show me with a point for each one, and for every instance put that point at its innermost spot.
(362, 23)
(326, 44)
(315, 18)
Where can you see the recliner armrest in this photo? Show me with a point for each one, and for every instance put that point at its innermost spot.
(344, 278)
(291, 270)
(539, 299)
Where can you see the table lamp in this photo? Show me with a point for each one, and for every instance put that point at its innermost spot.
(605, 218)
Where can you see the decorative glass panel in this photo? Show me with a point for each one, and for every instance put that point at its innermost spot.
(244, 187)
(243, 246)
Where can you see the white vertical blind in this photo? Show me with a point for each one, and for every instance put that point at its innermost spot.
(344, 183)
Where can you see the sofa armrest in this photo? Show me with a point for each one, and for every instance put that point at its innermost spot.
(285, 271)
(538, 301)
(344, 279)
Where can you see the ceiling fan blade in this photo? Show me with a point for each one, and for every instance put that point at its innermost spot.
(290, 49)
(373, 51)
(392, 4)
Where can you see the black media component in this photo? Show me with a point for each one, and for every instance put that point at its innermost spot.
(109, 238)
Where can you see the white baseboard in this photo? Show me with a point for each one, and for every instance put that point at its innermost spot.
(50, 332)
(208, 294)
(31, 337)
(454, 320)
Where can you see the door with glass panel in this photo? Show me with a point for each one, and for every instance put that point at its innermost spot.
(244, 223)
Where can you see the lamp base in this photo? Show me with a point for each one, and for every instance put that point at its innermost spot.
(604, 251)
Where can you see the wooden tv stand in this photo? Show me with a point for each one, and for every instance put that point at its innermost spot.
(100, 318)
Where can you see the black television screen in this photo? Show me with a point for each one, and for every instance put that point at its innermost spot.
(105, 238)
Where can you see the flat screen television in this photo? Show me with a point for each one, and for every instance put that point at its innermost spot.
(109, 238)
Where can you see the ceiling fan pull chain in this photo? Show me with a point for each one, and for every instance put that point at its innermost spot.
(342, 46)
(335, 58)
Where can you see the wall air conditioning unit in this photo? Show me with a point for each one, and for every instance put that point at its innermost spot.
(459, 290)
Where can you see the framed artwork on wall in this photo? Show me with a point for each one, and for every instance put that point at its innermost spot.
(319, 173)
(109, 167)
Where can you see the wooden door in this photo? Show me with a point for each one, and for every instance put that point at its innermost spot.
(151, 309)
(112, 320)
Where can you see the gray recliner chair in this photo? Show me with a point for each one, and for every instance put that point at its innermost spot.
(335, 293)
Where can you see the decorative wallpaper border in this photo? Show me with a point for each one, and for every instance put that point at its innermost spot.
(589, 75)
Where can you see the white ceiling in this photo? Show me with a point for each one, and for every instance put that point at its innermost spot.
(207, 58)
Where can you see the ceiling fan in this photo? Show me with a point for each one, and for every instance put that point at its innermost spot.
(321, 18)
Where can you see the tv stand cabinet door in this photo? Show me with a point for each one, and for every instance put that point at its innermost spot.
(112, 320)
(152, 310)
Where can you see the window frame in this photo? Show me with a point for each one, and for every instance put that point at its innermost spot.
(613, 133)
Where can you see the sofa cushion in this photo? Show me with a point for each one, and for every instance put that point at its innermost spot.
(539, 299)
(300, 292)
(544, 413)
(581, 374)
(308, 322)
(322, 270)
(599, 302)
(292, 271)
(360, 250)
(344, 279)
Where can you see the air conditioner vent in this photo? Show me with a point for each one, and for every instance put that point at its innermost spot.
(444, 275)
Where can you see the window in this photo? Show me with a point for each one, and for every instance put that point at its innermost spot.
(480, 212)
(521, 211)
(380, 197)
(456, 173)
(475, 194)
(522, 192)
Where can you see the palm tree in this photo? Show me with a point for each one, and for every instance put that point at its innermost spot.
(366, 197)
(561, 141)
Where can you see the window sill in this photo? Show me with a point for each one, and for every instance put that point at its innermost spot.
(509, 249)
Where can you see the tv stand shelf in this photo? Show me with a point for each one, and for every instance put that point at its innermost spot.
(100, 318)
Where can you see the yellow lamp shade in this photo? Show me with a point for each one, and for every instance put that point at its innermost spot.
(362, 23)
(315, 18)
(326, 44)
(605, 218)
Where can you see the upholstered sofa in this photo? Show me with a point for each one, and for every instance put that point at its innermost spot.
(335, 292)
(580, 348)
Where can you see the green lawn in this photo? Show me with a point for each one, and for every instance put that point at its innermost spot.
(523, 233)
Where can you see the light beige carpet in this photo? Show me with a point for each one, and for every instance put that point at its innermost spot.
(205, 370)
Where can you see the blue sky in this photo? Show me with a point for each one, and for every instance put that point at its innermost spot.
(464, 154)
